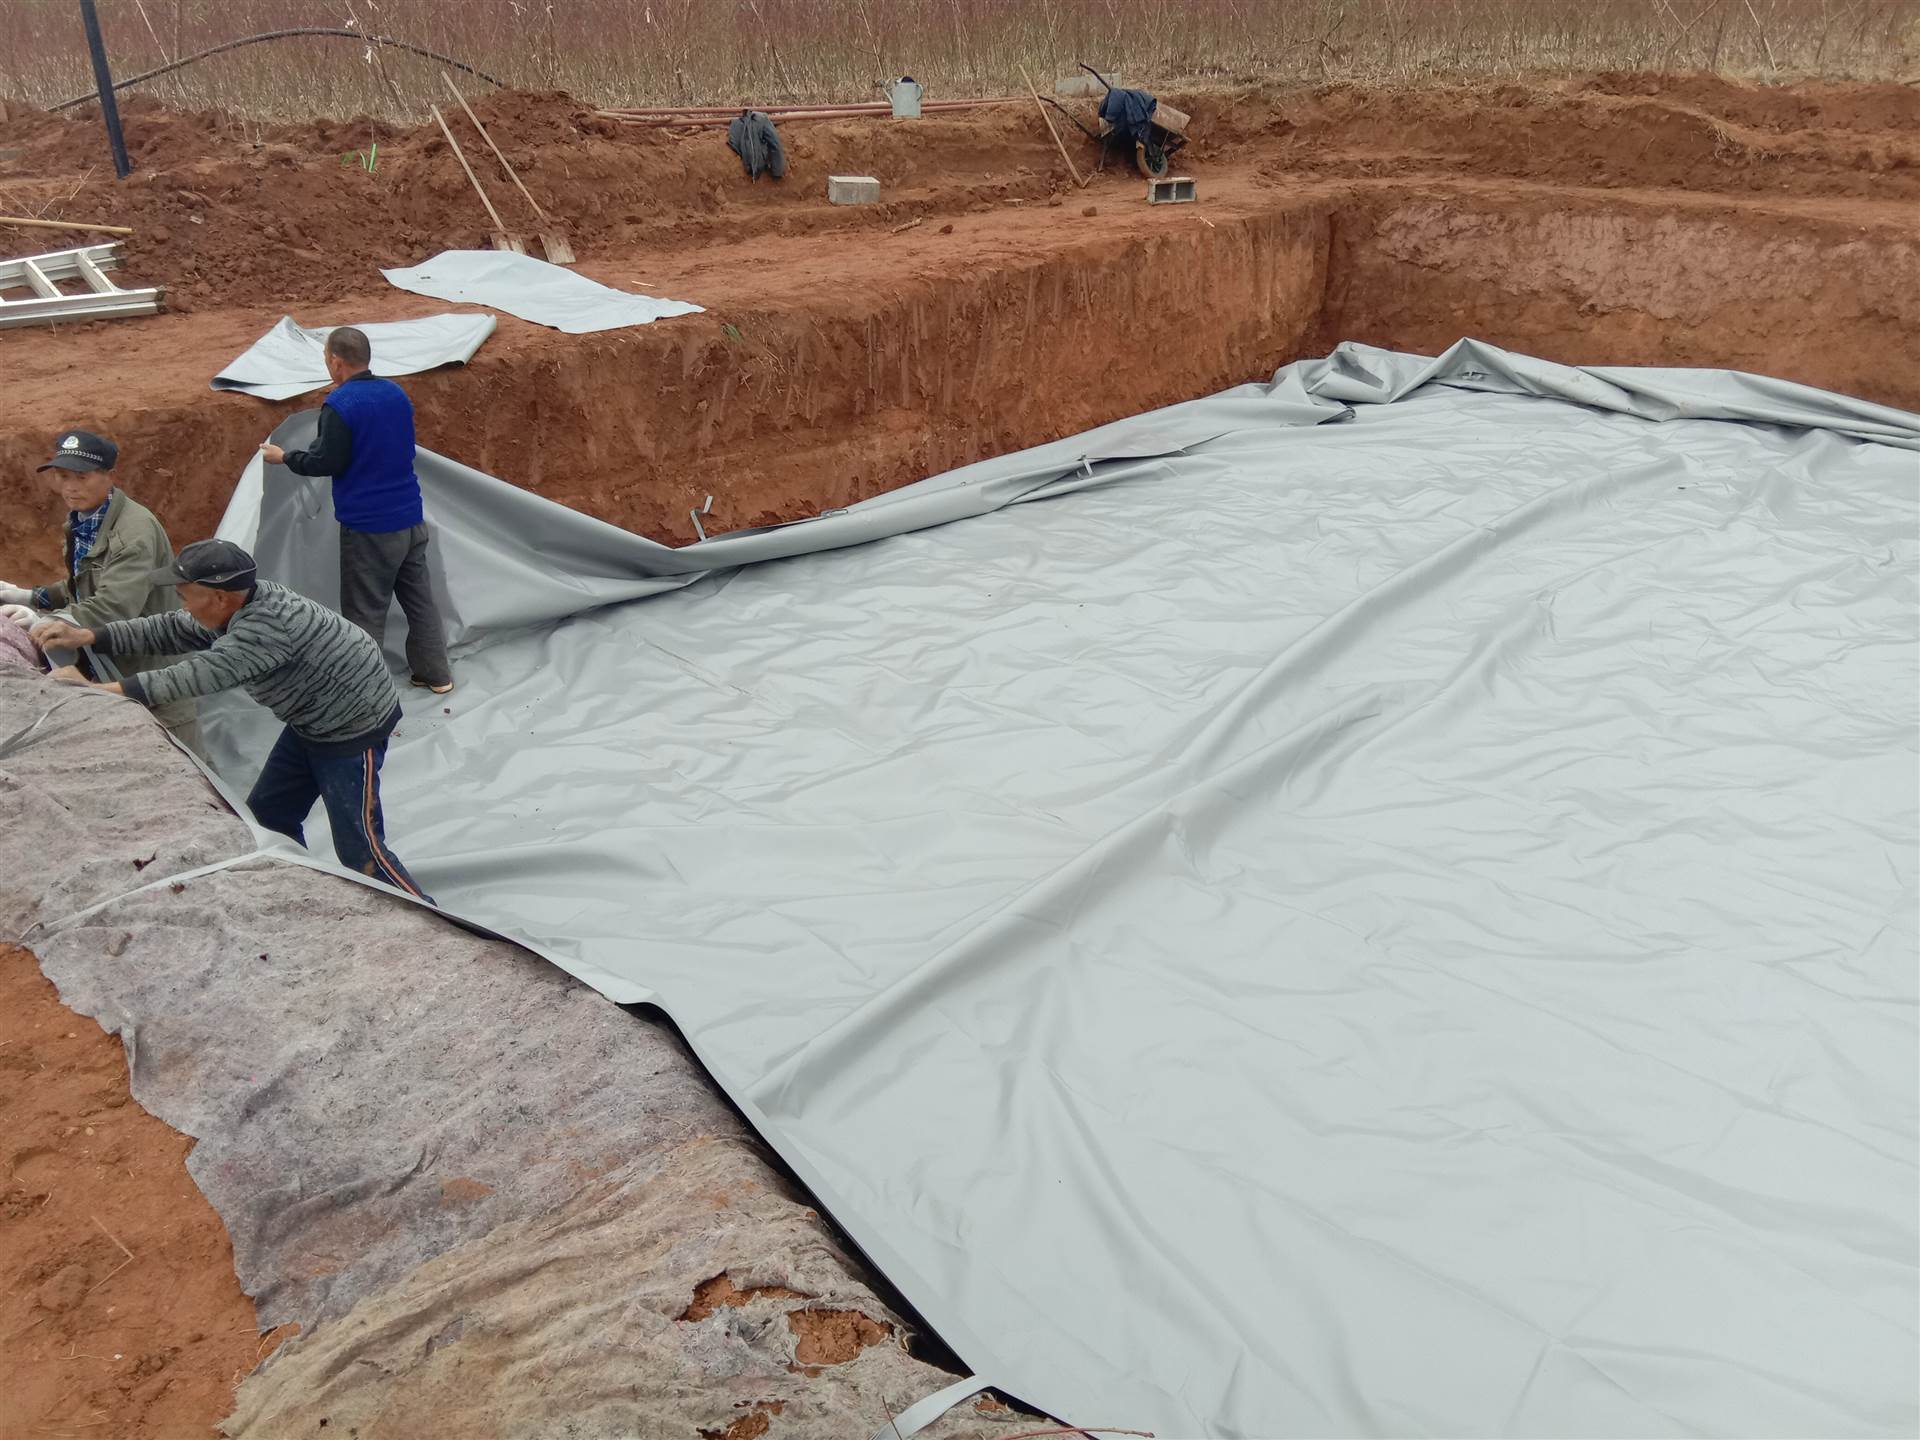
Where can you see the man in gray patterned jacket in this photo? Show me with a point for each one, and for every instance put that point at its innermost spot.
(321, 676)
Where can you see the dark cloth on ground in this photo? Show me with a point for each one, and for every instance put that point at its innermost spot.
(376, 570)
(1130, 113)
(752, 137)
(348, 781)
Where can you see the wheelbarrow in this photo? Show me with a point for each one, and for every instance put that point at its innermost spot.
(1134, 120)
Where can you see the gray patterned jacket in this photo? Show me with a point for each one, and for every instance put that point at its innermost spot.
(322, 676)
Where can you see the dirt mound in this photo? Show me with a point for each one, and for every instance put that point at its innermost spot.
(160, 136)
(1705, 136)
(1806, 105)
(230, 212)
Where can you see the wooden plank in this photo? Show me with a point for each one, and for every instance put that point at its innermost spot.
(31, 223)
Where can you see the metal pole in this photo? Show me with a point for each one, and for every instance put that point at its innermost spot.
(103, 78)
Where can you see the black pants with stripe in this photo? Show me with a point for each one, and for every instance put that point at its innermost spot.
(296, 775)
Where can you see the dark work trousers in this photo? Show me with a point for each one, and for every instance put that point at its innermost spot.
(375, 570)
(296, 775)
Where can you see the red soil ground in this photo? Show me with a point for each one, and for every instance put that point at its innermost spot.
(92, 1342)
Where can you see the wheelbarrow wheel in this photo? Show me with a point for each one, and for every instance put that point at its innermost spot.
(1150, 158)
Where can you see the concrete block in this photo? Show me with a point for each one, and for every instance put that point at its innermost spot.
(852, 190)
(1174, 190)
(1081, 83)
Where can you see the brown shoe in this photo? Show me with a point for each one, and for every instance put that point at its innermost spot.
(445, 688)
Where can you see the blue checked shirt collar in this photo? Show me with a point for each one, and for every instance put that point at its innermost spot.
(86, 530)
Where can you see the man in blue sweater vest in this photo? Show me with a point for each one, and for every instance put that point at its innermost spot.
(366, 445)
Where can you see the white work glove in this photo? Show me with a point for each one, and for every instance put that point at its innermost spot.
(14, 595)
(25, 616)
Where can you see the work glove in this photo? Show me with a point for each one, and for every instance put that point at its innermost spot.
(14, 595)
(25, 616)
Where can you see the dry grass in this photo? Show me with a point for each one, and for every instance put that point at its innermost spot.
(650, 51)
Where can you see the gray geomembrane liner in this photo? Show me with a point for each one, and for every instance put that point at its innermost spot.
(533, 290)
(1391, 911)
(290, 359)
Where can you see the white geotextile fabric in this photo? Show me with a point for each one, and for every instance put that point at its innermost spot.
(534, 290)
(290, 359)
(1399, 924)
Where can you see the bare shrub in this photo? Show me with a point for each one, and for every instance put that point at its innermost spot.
(726, 51)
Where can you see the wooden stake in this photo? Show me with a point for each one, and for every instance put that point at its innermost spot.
(558, 248)
(455, 144)
(490, 145)
(1041, 107)
(64, 225)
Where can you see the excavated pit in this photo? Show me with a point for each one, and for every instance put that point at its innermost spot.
(816, 412)
(986, 304)
(792, 406)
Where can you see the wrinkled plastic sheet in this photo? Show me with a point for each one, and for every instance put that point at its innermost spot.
(290, 359)
(1380, 903)
(534, 290)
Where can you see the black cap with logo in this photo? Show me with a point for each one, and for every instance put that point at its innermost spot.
(82, 450)
(217, 564)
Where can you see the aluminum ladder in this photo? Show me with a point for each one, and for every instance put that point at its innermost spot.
(101, 300)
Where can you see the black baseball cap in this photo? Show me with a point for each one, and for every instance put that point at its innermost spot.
(82, 450)
(217, 564)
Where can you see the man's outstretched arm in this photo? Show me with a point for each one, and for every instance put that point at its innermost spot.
(330, 453)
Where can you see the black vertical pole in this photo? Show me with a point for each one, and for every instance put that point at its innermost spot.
(103, 77)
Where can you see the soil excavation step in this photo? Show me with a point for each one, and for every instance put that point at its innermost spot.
(826, 373)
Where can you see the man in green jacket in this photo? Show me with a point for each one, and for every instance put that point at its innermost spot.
(113, 546)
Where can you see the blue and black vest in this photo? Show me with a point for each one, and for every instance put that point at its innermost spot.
(378, 490)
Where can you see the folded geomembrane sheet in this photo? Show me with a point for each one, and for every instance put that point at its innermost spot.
(290, 359)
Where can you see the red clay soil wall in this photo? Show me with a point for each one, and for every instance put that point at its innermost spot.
(795, 405)
(817, 408)
(778, 409)
(1636, 279)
